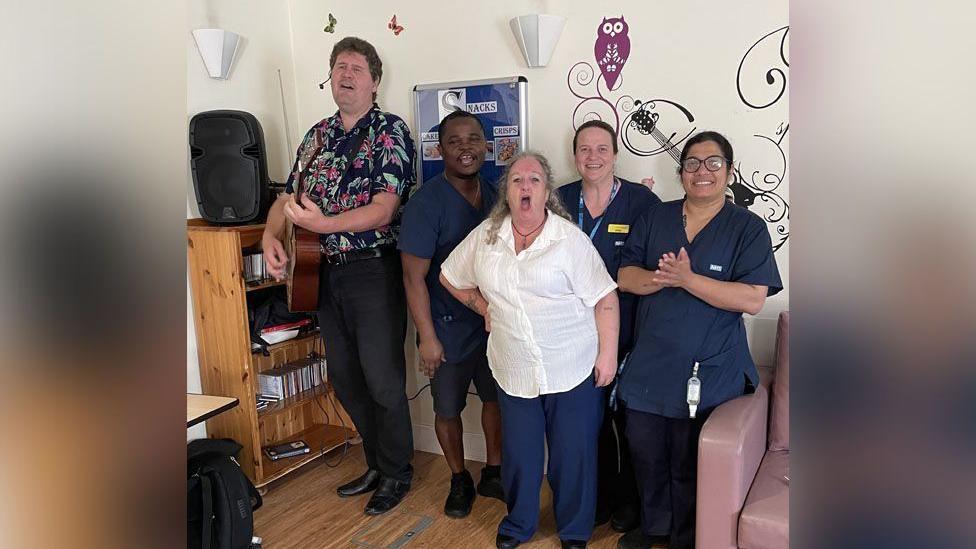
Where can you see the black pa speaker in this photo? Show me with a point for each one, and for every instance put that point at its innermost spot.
(230, 169)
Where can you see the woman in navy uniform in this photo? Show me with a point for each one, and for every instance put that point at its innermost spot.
(605, 208)
(699, 263)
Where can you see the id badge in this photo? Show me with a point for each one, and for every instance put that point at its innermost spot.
(694, 392)
(613, 392)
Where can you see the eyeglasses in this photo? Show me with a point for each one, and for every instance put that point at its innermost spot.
(712, 164)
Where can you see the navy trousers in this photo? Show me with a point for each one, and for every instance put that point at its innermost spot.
(665, 457)
(570, 423)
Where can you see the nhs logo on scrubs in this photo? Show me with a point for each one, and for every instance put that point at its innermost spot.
(714, 267)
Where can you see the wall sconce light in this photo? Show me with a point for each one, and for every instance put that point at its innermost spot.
(537, 36)
(217, 48)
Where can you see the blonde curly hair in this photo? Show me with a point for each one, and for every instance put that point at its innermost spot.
(501, 209)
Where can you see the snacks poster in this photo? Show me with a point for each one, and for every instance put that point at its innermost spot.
(500, 104)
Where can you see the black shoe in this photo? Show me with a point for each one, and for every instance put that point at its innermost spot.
(387, 496)
(625, 518)
(366, 483)
(461, 498)
(636, 539)
(490, 485)
(573, 543)
(506, 542)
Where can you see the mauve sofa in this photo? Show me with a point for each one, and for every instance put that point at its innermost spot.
(743, 474)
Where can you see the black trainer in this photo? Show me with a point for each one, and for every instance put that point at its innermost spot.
(461, 497)
(490, 485)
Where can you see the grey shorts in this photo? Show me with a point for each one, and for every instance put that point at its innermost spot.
(449, 386)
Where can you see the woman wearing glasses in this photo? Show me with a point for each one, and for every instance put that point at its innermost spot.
(698, 263)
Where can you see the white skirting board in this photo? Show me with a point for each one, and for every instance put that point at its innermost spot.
(425, 440)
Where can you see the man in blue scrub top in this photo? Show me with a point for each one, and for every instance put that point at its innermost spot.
(699, 263)
(452, 338)
(605, 207)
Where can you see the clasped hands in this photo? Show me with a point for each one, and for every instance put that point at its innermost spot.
(674, 271)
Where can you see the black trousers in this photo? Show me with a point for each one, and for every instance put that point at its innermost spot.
(665, 456)
(616, 486)
(362, 315)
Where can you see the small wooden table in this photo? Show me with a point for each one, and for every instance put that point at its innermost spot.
(203, 407)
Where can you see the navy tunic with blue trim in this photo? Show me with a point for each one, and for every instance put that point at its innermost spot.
(435, 221)
(675, 329)
(632, 201)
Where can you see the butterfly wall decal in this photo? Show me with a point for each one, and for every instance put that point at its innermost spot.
(332, 23)
(393, 26)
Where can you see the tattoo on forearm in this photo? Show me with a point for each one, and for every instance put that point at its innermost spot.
(608, 308)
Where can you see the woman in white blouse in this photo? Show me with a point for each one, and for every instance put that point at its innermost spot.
(552, 312)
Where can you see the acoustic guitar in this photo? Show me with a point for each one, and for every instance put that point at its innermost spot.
(303, 249)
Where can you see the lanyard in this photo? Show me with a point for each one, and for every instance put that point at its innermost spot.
(598, 221)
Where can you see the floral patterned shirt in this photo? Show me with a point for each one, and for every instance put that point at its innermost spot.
(384, 164)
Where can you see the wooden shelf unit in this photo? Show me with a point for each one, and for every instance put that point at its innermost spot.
(229, 367)
(290, 350)
(263, 284)
(320, 438)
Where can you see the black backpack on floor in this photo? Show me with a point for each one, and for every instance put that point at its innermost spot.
(220, 499)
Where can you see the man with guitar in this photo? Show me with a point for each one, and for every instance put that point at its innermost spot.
(352, 172)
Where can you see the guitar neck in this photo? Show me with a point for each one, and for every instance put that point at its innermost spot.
(303, 171)
(666, 144)
(303, 167)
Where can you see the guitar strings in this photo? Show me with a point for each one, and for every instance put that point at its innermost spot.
(666, 143)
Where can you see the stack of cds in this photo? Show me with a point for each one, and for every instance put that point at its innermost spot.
(292, 378)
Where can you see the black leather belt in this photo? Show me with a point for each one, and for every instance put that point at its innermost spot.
(345, 258)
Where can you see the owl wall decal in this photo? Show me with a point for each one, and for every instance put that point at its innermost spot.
(612, 48)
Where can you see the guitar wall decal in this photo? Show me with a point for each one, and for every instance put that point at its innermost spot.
(645, 123)
(660, 126)
(646, 128)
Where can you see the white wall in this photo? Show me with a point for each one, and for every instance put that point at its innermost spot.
(686, 52)
(251, 86)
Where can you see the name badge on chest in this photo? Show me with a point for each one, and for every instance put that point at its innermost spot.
(616, 228)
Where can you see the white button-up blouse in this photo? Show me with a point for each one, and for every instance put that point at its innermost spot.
(543, 329)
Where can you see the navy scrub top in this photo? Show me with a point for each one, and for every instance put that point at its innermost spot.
(435, 221)
(675, 329)
(632, 201)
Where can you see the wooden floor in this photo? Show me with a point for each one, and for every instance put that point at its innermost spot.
(303, 510)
